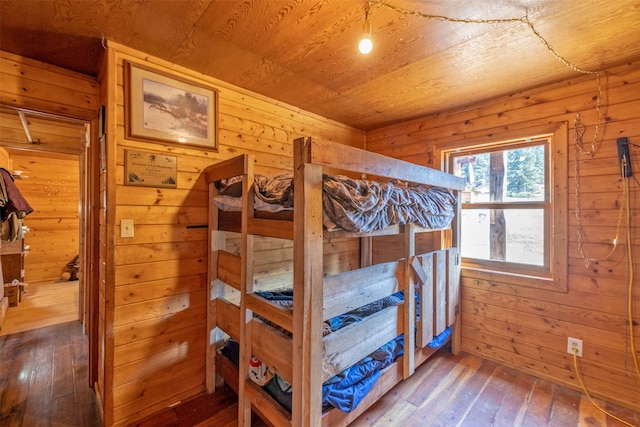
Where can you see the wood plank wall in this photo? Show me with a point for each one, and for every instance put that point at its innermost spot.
(37, 86)
(527, 328)
(52, 190)
(5, 162)
(159, 276)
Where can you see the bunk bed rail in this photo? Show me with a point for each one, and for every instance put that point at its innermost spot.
(343, 157)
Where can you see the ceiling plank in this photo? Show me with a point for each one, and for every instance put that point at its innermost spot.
(303, 52)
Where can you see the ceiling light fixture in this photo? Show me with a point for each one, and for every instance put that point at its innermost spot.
(366, 44)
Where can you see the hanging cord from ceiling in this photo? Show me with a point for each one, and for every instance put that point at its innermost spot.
(578, 150)
(523, 19)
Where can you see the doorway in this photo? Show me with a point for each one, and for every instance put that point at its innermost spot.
(56, 152)
(48, 246)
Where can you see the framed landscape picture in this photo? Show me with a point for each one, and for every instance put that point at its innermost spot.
(167, 109)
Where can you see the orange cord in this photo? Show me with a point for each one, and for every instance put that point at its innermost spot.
(575, 364)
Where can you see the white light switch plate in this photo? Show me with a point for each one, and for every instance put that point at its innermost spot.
(126, 228)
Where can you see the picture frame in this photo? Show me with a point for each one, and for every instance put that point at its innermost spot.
(169, 109)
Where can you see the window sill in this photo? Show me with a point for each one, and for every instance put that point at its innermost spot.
(537, 282)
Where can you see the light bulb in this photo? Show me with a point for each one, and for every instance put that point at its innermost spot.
(365, 45)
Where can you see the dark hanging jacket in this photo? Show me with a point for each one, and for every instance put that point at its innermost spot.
(11, 199)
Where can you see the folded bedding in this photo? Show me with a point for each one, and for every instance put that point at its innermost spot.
(353, 205)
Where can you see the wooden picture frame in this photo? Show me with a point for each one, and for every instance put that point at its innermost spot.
(163, 108)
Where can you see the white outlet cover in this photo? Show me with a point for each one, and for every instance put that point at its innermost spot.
(126, 228)
(574, 342)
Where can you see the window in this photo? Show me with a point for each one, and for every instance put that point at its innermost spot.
(513, 215)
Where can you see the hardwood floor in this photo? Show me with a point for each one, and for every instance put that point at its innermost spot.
(465, 390)
(461, 390)
(43, 304)
(43, 361)
(43, 382)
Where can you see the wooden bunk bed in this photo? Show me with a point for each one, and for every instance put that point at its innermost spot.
(291, 342)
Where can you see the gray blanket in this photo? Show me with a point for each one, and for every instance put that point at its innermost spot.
(362, 205)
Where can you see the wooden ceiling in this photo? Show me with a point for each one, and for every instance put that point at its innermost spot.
(304, 52)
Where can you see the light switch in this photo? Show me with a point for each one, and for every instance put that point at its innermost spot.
(126, 228)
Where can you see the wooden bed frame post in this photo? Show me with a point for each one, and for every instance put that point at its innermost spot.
(246, 287)
(308, 298)
(366, 251)
(456, 335)
(215, 288)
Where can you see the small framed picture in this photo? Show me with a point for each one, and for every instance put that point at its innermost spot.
(167, 109)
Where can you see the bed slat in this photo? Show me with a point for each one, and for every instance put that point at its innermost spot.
(227, 370)
(273, 348)
(275, 314)
(229, 269)
(347, 291)
(266, 406)
(344, 157)
(440, 289)
(228, 318)
(453, 279)
(228, 168)
(348, 345)
(424, 271)
(271, 228)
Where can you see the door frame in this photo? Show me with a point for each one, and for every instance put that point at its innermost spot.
(88, 223)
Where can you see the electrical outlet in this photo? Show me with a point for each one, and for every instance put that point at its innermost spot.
(126, 228)
(574, 343)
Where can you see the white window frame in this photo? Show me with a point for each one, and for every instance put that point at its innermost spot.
(552, 276)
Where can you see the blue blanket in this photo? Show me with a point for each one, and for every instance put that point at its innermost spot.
(347, 389)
